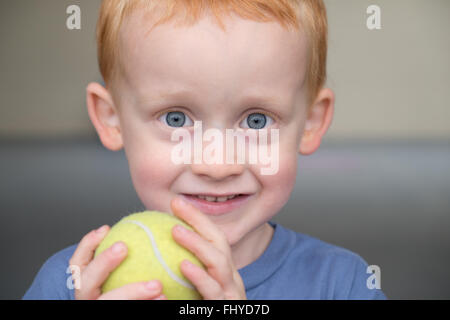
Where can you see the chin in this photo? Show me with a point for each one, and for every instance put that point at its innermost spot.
(234, 234)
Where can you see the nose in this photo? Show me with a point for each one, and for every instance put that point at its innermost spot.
(217, 171)
(217, 168)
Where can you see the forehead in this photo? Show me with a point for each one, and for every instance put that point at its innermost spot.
(249, 55)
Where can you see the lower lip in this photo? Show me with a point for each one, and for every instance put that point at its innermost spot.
(216, 208)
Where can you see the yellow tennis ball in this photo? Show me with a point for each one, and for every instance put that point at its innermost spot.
(152, 254)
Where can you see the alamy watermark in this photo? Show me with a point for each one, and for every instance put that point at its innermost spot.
(73, 21)
(374, 280)
(258, 145)
(373, 21)
(74, 280)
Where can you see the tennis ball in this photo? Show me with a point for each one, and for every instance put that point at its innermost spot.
(152, 254)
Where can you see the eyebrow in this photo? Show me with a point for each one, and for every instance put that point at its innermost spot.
(250, 98)
(175, 94)
(161, 96)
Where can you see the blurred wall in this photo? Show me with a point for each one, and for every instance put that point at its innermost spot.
(45, 69)
(390, 83)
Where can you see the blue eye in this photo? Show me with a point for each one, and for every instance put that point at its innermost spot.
(256, 121)
(175, 119)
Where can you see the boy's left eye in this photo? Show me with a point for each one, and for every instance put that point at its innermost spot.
(256, 121)
(176, 119)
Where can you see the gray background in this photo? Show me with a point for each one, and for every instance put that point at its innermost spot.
(379, 185)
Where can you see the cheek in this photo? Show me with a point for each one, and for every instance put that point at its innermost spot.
(152, 176)
(277, 188)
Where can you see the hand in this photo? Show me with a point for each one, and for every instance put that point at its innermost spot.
(221, 280)
(94, 271)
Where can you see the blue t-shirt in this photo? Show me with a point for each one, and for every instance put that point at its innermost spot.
(293, 266)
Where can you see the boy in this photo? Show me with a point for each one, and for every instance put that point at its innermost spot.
(251, 65)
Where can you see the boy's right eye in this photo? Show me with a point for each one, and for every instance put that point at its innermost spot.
(176, 119)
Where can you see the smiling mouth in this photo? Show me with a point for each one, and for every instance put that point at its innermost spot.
(217, 204)
(211, 198)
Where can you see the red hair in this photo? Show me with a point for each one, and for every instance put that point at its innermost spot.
(308, 14)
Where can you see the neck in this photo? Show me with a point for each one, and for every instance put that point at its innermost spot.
(252, 246)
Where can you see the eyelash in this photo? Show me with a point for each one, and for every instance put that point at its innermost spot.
(270, 118)
(164, 115)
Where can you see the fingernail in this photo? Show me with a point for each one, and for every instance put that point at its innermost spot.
(152, 285)
(188, 264)
(179, 228)
(101, 229)
(118, 248)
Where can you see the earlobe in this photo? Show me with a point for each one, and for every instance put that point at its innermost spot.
(104, 116)
(318, 122)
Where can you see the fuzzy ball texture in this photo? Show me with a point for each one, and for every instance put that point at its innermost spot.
(152, 254)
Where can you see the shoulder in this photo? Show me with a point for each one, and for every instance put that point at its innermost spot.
(321, 252)
(51, 281)
(314, 250)
(333, 272)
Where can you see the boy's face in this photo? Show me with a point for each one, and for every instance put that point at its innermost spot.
(226, 77)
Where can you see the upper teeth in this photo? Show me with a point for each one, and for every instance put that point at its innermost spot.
(217, 199)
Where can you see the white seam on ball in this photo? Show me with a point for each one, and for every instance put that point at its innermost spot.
(158, 254)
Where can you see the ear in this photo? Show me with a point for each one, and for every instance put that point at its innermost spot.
(104, 116)
(318, 121)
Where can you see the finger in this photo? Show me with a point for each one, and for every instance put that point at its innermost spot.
(95, 274)
(216, 262)
(85, 250)
(136, 291)
(208, 288)
(200, 222)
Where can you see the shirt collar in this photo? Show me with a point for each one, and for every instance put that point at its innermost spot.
(271, 259)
